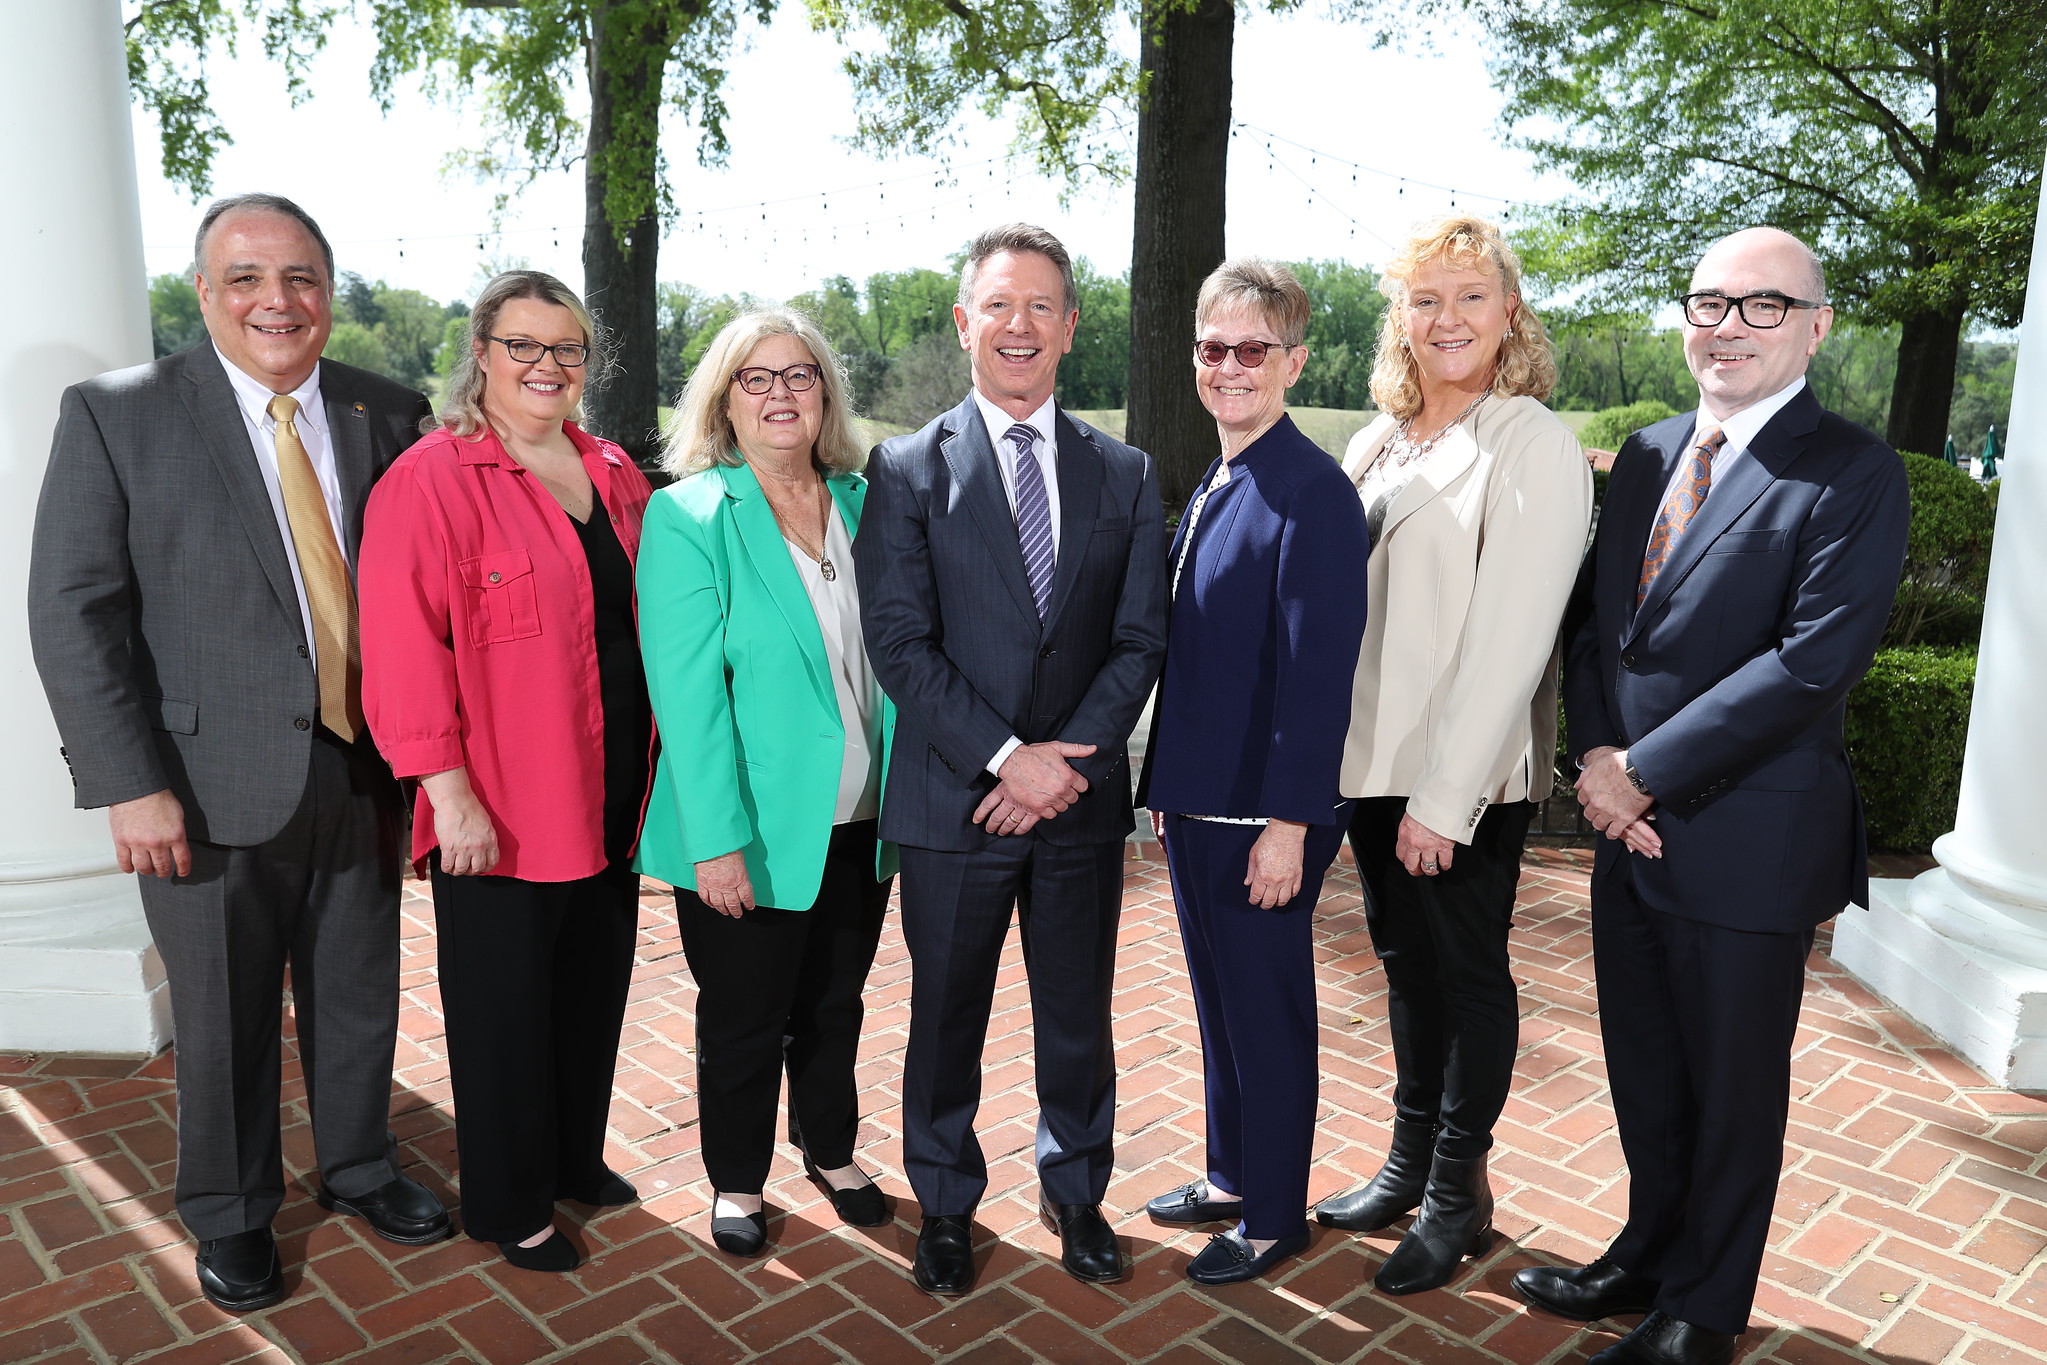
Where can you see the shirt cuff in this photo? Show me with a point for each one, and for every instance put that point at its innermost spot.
(1010, 746)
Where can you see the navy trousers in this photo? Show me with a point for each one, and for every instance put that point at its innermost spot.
(1254, 995)
(956, 912)
(1698, 1022)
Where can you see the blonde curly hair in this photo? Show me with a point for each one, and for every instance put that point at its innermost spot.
(1461, 241)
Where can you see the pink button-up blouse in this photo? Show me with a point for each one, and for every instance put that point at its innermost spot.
(478, 642)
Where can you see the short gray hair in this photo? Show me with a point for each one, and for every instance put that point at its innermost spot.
(1261, 286)
(1017, 238)
(462, 397)
(699, 430)
(258, 203)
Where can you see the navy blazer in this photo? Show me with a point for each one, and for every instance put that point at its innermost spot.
(1264, 640)
(1728, 686)
(954, 637)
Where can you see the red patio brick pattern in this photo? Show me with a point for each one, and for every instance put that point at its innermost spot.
(1911, 1225)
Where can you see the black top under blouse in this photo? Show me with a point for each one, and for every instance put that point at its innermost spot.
(621, 682)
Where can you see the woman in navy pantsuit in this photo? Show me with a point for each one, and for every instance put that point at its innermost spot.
(1241, 777)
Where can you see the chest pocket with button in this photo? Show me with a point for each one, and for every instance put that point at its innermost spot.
(503, 602)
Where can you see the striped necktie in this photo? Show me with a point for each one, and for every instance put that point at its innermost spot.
(1687, 496)
(330, 596)
(1033, 515)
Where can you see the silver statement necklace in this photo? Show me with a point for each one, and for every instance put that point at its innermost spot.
(1403, 448)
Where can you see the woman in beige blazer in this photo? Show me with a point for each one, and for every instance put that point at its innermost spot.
(1478, 500)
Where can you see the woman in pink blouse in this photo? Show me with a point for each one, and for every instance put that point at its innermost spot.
(501, 670)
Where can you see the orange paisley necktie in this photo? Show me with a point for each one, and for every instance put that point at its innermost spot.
(1678, 510)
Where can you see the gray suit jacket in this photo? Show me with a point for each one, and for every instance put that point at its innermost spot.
(161, 607)
(954, 635)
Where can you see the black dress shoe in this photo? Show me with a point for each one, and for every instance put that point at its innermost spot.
(944, 1262)
(609, 1192)
(1395, 1190)
(1663, 1340)
(1191, 1204)
(1586, 1293)
(1229, 1259)
(400, 1210)
(241, 1272)
(1087, 1248)
(1456, 1220)
(555, 1255)
(741, 1236)
(864, 1206)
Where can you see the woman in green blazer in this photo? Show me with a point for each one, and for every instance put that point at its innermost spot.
(773, 738)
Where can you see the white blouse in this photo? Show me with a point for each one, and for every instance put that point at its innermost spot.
(837, 604)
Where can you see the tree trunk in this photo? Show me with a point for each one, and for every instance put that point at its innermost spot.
(1924, 388)
(1183, 147)
(625, 69)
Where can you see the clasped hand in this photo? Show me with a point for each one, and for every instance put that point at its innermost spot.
(1036, 783)
(1613, 804)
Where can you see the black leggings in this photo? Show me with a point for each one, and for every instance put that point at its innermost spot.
(1450, 1000)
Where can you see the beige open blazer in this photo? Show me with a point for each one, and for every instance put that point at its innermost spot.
(1455, 702)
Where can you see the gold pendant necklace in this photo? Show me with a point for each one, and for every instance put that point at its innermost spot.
(824, 560)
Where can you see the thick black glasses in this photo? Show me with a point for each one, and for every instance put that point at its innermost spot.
(758, 379)
(1757, 310)
(567, 354)
(1250, 354)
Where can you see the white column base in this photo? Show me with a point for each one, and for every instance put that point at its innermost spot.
(79, 974)
(1988, 1007)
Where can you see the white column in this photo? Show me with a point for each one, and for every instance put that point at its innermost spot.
(77, 970)
(1963, 948)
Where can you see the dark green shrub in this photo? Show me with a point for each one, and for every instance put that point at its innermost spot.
(1947, 556)
(1908, 721)
(1611, 426)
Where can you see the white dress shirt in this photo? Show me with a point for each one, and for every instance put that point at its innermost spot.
(1740, 430)
(253, 397)
(1046, 449)
(837, 604)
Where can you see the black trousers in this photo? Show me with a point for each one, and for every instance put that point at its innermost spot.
(534, 978)
(1698, 1022)
(323, 895)
(956, 914)
(1450, 999)
(782, 989)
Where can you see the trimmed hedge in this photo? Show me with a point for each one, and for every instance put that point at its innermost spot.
(1609, 427)
(1908, 722)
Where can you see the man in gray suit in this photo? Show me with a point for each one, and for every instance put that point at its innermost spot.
(192, 611)
(1012, 592)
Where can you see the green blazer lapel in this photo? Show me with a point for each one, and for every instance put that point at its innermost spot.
(761, 540)
(849, 491)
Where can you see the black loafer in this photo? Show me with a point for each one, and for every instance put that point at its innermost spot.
(944, 1263)
(401, 1210)
(1663, 1340)
(608, 1193)
(861, 1207)
(1087, 1247)
(555, 1255)
(1191, 1203)
(1228, 1258)
(1588, 1292)
(241, 1272)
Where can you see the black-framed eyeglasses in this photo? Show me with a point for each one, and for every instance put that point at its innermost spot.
(567, 354)
(758, 379)
(1250, 354)
(1767, 309)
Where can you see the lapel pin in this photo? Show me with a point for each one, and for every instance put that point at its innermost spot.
(360, 411)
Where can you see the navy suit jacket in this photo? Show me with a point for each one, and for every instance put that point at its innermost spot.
(1264, 640)
(954, 636)
(1728, 686)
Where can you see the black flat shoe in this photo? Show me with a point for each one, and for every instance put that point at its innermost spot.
(1586, 1293)
(862, 1207)
(241, 1272)
(555, 1255)
(610, 1192)
(1663, 1340)
(1087, 1246)
(944, 1263)
(1192, 1203)
(1229, 1259)
(738, 1236)
(401, 1210)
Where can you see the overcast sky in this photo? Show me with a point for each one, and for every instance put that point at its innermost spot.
(1357, 137)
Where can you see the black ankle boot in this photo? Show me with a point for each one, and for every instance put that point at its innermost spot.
(1395, 1190)
(1456, 1221)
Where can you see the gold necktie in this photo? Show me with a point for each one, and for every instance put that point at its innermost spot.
(329, 594)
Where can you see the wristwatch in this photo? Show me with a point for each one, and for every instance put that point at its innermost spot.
(1636, 779)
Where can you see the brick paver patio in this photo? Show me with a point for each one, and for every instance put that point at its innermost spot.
(1910, 1227)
